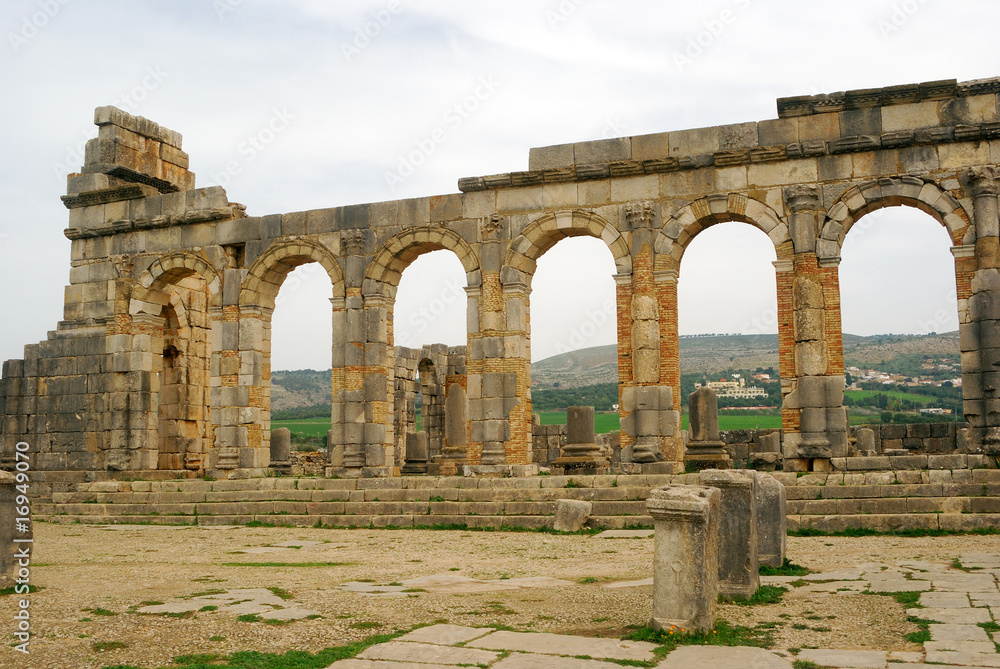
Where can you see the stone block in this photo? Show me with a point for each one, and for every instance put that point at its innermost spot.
(571, 515)
(685, 556)
(281, 440)
(772, 527)
(738, 561)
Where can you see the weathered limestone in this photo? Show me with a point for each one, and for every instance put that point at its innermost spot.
(281, 444)
(416, 453)
(163, 357)
(581, 454)
(772, 522)
(685, 556)
(571, 515)
(738, 561)
(866, 441)
(704, 446)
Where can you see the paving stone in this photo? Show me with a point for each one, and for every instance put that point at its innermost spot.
(293, 613)
(245, 608)
(957, 616)
(357, 586)
(355, 663)
(934, 656)
(533, 661)
(423, 653)
(533, 582)
(954, 632)
(445, 635)
(985, 598)
(985, 647)
(299, 544)
(905, 656)
(838, 575)
(630, 584)
(624, 534)
(263, 550)
(944, 600)
(865, 659)
(558, 644)
(721, 657)
(896, 583)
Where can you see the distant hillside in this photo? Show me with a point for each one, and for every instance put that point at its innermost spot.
(707, 354)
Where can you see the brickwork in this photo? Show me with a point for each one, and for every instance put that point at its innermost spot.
(142, 236)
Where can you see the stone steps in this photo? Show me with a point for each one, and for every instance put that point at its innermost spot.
(929, 499)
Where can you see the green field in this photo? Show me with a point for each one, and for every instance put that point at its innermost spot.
(604, 421)
(894, 394)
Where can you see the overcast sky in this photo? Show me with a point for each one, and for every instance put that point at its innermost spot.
(351, 106)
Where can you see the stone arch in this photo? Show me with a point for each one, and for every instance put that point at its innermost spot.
(149, 295)
(268, 271)
(541, 235)
(386, 268)
(687, 222)
(909, 191)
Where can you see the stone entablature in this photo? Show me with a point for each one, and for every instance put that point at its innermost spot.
(162, 359)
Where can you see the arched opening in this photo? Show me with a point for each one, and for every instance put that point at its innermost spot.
(297, 344)
(574, 332)
(728, 325)
(900, 319)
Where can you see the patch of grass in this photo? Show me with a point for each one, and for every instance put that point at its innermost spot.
(12, 590)
(904, 598)
(216, 637)
(203, 593)
(990, 626)
(248, 618)
(280, 592)
(921, 637)
(766, 594)
(205, 609)
(572, 484)
(588, 579)
(787, 568)
(436, 498)
(805, 664)
(365, 625)
(293, 659)
(287, 564)
(105, 646)
(915, 532)
(101, 612)
(723, 634)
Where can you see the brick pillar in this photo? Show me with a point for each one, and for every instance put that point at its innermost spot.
(670, 355)
(968, 332)
(984, 311)
(784, 278)
(816, 391)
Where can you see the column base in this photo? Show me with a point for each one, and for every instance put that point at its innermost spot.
(706, 455)
(499, 471)
(580, 466)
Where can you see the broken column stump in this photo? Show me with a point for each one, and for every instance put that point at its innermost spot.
(685, 556)
(704, 448)
(416, 454)
(772, 525)
(581, 454)
(281, 447)
(738, 562)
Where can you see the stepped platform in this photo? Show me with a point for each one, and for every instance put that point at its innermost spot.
(958, 499)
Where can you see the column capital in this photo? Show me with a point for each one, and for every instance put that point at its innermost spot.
(833, 261)
(622, 279)
(640, 214)
(784, 265)
(802, 197)
(338, 303)
(983, 181)
(964, 251)
(378, 301)
(666, 276)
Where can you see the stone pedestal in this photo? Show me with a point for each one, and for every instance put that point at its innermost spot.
(772, 527)
(685, 556)
(704, 447)
(581, 454)
(416, 454)
(738, 562)
(281, 446)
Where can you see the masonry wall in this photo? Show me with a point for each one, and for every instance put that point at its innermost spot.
(91, 396)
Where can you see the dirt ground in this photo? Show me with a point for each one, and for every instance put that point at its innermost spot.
(92, 581)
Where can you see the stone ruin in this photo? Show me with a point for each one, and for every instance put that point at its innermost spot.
(161, 365)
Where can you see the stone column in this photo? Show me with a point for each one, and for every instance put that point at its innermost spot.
(813, 416)
(416, 454)
(456, 425)
(670, 356)
(704, 445)
(377, 375)
(581, 454)
(984, 314)
(281, 447)
(685, 556)
(738, 562)
(772, 524)
(338, 380)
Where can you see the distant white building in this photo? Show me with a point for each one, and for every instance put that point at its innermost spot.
(735, 388)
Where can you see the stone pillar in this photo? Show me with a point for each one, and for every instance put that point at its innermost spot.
(281, 446)
(704, 446)
(456, 425)
(738, 563)
(648, 417)
(866, 441)
(772, 524)
(416, 454)
(670, 356)
(348, 432)
(814, 419)
(983, 358)
(685, 556)
(581, 454)
(338, 380)
(378, 379)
